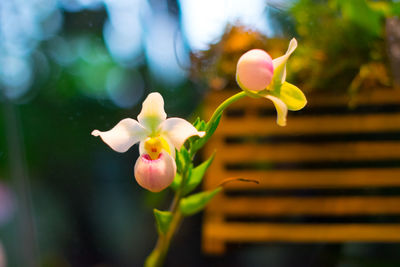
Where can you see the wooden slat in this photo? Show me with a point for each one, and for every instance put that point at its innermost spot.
(251, 124)
(295, 179)
(210, 244)
(276, 206)
(264, 232)
(373, 97)
(295, 152)
(310, 125)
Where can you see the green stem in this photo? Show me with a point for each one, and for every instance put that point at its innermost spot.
(216, 115)
(223, 106)
(157, 256)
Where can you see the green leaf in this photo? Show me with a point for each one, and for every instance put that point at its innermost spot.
(199, 143)
(197, 175)
(196, 122)
(385, 8)
(395, 9)
(362, 15)
(185, 155)
(163, 220)
(180, 162)
(213, 127)
(176, 183)
(199, 124)
(195, 203)
(184, 167)
(182, 159)
(292, 96)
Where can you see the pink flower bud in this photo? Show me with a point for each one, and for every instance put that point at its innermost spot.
(155, 175)
(254, 70)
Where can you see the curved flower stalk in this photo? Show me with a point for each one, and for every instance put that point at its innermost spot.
(158, 137)
(260, 76)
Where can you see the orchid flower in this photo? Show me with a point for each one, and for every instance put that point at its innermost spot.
(158, 138)
(260, 76)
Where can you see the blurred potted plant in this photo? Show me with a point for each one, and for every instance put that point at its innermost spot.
(216, 67)
(344, 44)
(345, 47)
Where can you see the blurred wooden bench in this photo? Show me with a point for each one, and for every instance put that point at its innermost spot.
(331, 175)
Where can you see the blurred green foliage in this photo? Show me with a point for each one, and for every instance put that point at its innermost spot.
(86, 206)
(342, 43)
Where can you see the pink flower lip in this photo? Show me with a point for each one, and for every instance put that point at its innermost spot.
(155, 175)
(148, 158)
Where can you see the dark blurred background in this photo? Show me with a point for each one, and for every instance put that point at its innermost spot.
(70, 66)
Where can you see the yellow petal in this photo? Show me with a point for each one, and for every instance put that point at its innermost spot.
(292, 96)
(281, 109)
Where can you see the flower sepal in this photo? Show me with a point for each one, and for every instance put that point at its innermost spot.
(291, 95)
(254, 94)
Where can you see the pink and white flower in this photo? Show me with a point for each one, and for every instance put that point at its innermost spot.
(261, 76)
(158, 137)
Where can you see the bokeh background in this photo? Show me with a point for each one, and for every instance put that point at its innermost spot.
(70, 66)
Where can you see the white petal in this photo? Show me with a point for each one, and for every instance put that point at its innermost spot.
(280, 62)
(141, 148)
(281, 110)
(177, 130)
(124, 135)
(152, 113)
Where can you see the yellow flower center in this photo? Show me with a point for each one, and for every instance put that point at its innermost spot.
(155, 145)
